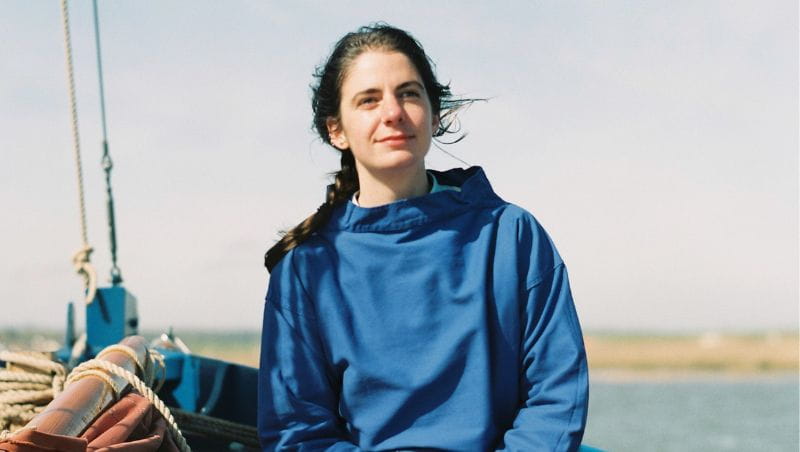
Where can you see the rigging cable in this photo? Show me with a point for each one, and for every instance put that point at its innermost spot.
(81, 259)
(107, 164)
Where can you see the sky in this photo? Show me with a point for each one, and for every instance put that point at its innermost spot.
(657, 142)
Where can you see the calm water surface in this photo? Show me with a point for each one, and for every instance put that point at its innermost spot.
(701, 414)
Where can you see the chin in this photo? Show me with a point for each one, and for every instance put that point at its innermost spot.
(403, 159)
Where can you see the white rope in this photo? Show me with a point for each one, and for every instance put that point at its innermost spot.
(81, 258)
(125, 350)
(90, 368)
(26, 390)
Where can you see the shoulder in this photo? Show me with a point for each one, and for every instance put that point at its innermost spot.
(303, 258)
(290, 279)
(533, 247)
(525, 223)
(518, 234)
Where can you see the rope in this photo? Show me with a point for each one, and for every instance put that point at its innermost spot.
(81, 258)
(36, 381)
(27, 389)
(153, 371)
(83, 267)
(206, 425)
(91, 368)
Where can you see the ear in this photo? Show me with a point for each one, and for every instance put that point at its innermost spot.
(337, 134)
(435, 123)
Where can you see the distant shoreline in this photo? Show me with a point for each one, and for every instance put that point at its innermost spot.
(614, 376)
(613, 357)
(660, 356)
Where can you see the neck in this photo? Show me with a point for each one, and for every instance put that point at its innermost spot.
(379, 188)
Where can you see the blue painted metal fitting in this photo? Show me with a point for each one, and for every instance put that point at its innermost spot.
(110, 317)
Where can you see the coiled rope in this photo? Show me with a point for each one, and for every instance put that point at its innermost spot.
(26, 387)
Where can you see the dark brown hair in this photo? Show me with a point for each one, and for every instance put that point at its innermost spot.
(325, 104)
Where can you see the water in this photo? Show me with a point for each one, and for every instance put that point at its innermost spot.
(701, 414)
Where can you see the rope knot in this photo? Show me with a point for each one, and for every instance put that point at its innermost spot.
(83, 267)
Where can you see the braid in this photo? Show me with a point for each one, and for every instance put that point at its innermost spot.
(344, 185)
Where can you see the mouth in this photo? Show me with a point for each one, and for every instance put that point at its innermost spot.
(396, 139)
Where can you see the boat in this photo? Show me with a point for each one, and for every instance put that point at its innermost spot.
(213, 401)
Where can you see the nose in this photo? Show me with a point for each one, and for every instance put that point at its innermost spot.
(391, 110)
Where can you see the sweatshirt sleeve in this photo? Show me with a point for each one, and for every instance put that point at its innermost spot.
(554, 380)
(297, 400)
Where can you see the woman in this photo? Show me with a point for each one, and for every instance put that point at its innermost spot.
(415, 309)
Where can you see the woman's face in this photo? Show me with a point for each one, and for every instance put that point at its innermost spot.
(385, 116)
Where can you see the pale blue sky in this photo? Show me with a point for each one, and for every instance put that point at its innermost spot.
(656, 141)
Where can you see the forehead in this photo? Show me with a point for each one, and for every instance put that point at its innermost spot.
(378, 69)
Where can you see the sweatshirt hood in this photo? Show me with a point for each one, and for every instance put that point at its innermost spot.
(407, 213)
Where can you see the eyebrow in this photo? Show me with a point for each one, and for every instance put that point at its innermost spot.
(411, 83)
(399, 87)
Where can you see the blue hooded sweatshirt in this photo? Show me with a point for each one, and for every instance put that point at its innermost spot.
(441, 322)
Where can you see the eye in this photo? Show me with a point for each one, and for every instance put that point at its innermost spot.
(366, 101)
(410, 93)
